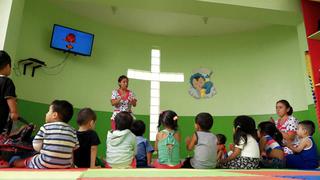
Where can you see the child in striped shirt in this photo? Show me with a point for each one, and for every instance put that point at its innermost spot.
(270, 145)
(55, 140)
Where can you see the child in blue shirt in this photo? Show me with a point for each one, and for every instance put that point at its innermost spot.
(305, 156)
(144, 149)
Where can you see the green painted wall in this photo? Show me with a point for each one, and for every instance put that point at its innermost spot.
(14, 27)
(252, 70)
(5, 7)
(302, 38)
(282, 5)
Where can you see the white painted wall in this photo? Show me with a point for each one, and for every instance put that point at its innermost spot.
(5, 8)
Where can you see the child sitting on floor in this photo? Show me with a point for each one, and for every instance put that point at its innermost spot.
(246, 154)
(167, 142)
(144, 149)
(55, 140)
(85, 155)
(121, 143)
(221, 147)
(270, 144)
(204, 144)
(305, 156)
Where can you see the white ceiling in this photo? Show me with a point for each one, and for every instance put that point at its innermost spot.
(160, 22)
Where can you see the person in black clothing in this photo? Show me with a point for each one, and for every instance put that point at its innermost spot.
(8, 102)
(85, 156)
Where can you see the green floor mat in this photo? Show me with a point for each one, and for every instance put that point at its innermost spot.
(158, 173)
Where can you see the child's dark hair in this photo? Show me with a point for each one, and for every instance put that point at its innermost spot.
(4, 59)
(221, 139)
(123, 120)
(269, 128)
(204, 120)
(168, 119)
(138, 128)
(85, 115)
(309, 126)
(122, 77)
(287, 105)
(64, 109)
(244, 125)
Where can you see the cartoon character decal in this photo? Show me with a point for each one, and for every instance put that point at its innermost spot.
(70, 39)
(201, 87)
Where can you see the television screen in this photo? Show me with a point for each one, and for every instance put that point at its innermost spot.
(71, 40)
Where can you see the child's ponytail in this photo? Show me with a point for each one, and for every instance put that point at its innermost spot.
(168, 119)
(244, 125)
(278, 136)
(238, 135)
(160, 121)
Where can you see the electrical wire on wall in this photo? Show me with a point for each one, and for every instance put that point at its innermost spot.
(56, 69)
(16, 68)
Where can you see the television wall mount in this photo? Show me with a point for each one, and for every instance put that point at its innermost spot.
(34, 63)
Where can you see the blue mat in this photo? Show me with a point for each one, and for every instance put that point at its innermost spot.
(301, 177)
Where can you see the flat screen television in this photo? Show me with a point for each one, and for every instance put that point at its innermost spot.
(71, 40)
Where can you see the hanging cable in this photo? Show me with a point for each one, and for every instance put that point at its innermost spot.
(59, 64)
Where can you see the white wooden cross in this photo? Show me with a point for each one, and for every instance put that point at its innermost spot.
(155, 77)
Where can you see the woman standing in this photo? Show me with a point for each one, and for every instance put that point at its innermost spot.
(122, 99)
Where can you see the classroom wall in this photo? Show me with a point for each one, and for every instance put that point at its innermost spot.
(285, 5)
(251, 71)
(5, 8)
(14, 27)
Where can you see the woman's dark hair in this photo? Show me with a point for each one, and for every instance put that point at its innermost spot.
(221, 139)
(122, 77)
(168, 119)
(244, 125)
(85, 115)
(63, 108)
(204, 121)
(138, 128)
(4, 59)
(269, 128)
(123, 120)
(287, 105)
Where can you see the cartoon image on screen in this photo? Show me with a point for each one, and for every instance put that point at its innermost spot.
(70, 39)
